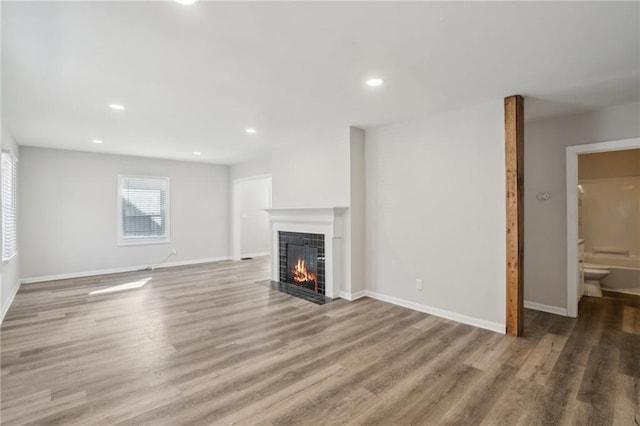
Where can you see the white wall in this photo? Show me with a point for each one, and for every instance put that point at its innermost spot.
(545, 249)
(436, 211)
(10, 271)
(68, 211)
(254, 167)
(255, 227)
(312, 170)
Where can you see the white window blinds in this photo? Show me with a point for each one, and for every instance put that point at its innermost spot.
(9, 207)
(143, 209)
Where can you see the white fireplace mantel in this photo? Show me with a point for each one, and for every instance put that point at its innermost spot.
(327, 221)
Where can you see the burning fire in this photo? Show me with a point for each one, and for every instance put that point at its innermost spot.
(301, 275)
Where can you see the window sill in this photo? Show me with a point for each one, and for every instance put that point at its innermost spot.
(142, 241)
(8, 260)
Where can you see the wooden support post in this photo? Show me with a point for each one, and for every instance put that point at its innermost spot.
(514, 157)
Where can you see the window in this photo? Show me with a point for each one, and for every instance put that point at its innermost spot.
(143, 210)
(9, 225)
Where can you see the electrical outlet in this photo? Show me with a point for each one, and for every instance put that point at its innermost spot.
(174, 251)
(419, 284)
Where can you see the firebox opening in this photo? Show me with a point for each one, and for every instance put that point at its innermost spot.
(302, 266)
(302, 261)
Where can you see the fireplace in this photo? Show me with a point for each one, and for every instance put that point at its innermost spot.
(302, 260)
(315, 235)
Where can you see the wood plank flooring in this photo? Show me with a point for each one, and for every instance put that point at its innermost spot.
(205, 344)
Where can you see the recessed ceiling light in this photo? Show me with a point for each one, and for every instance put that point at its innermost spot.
(116, 107)
(250, 130)
(196, 153)
(375, 82)
(96, 141)
(186, 2)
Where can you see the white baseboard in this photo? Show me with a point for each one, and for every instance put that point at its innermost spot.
(351, 296)
(118, 270)
(546, 308)
(56, 277)
(193, 262)
(7, 304)
(617, 290)
(476, 322)
(264, 253)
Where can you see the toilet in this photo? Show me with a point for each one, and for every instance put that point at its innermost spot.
(593, 274)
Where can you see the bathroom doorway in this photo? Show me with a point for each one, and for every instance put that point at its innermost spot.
(601, 246)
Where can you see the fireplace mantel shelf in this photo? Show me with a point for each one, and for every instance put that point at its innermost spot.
(311, 214)
(307, 211)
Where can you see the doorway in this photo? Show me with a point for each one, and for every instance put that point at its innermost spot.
(574, 278)
(251, 230)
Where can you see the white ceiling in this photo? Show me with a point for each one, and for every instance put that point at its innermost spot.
(193, 77)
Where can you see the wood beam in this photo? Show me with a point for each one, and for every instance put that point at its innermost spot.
(514, 157)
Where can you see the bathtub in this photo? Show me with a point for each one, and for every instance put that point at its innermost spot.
(625, 271)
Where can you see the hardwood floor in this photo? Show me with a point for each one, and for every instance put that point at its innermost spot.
(206, 345)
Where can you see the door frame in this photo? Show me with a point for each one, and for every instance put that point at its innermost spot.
(572, 153)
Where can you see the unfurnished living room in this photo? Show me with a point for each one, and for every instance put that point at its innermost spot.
(320, 213)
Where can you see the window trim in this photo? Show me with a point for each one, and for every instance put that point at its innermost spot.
(121, 240)
(14, 189)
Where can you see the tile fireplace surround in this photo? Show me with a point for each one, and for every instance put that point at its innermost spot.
(326, 221)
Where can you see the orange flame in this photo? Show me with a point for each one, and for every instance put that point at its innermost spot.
(301, 275)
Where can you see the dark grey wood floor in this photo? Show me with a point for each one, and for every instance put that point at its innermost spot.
(206, 345)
